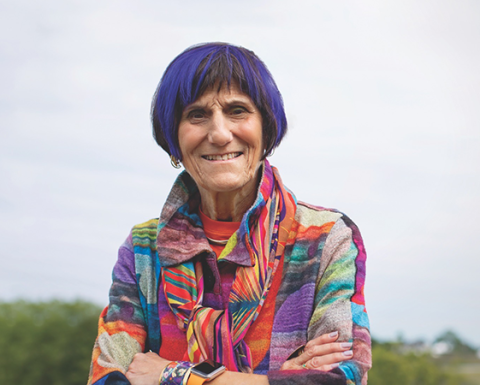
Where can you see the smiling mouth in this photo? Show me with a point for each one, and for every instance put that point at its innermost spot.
(222, 157)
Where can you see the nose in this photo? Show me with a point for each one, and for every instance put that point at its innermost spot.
(219, 133)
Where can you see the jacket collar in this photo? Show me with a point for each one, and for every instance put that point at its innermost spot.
(180, 235)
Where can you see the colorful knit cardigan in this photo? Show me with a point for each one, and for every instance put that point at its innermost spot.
(318, 289)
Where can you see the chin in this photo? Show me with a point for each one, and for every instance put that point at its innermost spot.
(226, 185)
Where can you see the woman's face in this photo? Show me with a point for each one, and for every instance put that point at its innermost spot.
(220, 137)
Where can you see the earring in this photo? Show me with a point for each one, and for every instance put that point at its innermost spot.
(175, 162)
(272, 151)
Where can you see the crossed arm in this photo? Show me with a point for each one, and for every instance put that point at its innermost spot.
(122, 329)
(321, 353)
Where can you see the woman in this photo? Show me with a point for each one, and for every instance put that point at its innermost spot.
(235, 270)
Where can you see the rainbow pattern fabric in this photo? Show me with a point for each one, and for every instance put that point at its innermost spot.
(218, 334)
(317, 289)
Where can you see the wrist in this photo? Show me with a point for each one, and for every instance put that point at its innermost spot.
(187, 373)
(175, 373)
(205, 371)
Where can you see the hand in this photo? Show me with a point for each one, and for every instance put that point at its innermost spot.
(146, 368)
(321, 353)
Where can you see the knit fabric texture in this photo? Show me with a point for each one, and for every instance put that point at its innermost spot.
(218, 334)
(317, 289)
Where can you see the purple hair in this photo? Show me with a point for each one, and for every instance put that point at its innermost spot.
(203, 66)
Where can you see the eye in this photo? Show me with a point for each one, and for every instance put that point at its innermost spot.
(238, 110)
(196, 114)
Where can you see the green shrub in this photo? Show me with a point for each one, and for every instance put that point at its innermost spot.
(392, 367)
(46, 343)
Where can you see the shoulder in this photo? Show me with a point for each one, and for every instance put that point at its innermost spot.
(145, 234)
(310, 215)
(330, 220)
(146, 226)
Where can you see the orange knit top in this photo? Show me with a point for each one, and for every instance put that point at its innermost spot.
(217, 230)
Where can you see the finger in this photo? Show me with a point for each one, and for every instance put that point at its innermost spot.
(137, 357)
(324, 362)
(326, 368)
(290, 365)
(318, 351)
(324, 338)
(321, 340)
(329, 361)
(306, 365)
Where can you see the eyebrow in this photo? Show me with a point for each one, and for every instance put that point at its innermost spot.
(236, 100)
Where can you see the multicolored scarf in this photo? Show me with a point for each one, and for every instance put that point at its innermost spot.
(263, 232)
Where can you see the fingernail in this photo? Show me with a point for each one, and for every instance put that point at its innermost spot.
(333, 366)
(348, 353)
(346, 345)
(334, 334)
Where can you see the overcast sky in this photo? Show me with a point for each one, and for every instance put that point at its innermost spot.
(383, 102)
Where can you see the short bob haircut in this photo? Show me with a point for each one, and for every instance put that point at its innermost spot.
(203, 66)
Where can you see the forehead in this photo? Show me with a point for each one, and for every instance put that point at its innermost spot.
(221, 93)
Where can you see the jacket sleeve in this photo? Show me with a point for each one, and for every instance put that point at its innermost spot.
(121, 327)
(338, 305)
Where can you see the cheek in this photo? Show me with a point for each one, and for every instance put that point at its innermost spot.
(253, 135)
(258, 147)
(257, 137)
(187, 141)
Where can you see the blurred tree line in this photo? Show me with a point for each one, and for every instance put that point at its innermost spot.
(46, 343)
(50, 343)
(397, 363)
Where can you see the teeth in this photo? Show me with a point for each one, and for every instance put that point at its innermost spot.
(223, 157)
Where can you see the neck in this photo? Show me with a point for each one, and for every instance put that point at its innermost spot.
(229, 206)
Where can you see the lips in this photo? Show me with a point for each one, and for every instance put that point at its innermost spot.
(228, 156)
